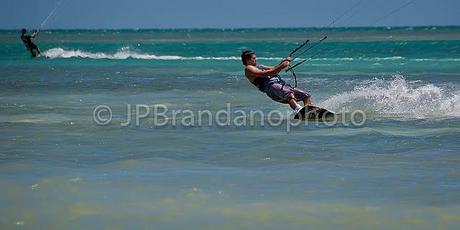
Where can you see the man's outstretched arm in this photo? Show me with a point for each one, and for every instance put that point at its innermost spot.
(257, 73)
(273, 67)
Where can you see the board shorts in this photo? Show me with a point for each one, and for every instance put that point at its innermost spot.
(280, 91)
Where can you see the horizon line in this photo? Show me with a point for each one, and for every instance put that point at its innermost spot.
(234, 28)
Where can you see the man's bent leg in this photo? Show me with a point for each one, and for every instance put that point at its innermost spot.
(293, 103)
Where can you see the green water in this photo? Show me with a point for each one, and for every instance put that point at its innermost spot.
(399, 169)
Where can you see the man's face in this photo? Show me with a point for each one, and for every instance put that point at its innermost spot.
(252, 60)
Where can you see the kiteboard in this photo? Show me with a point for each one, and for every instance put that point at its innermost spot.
(311, 112)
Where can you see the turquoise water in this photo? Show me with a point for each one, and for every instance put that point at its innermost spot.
(398, 169)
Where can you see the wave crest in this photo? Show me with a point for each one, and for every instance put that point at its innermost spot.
(127, 53)
(123, 53)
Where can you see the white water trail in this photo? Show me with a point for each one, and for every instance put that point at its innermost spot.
(398, 97)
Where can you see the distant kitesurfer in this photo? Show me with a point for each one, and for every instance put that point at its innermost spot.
(30, 46)
(267, 80)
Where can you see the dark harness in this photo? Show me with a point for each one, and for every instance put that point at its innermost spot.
(264, 83)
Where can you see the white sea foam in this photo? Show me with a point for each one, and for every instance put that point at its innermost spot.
(123, 53)
(436, 59)
(127, 53)
(398, 97)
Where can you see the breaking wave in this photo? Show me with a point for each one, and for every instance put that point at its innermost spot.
(128, 53)
(123, 53)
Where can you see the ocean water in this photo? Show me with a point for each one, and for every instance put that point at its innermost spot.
(390, 161)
